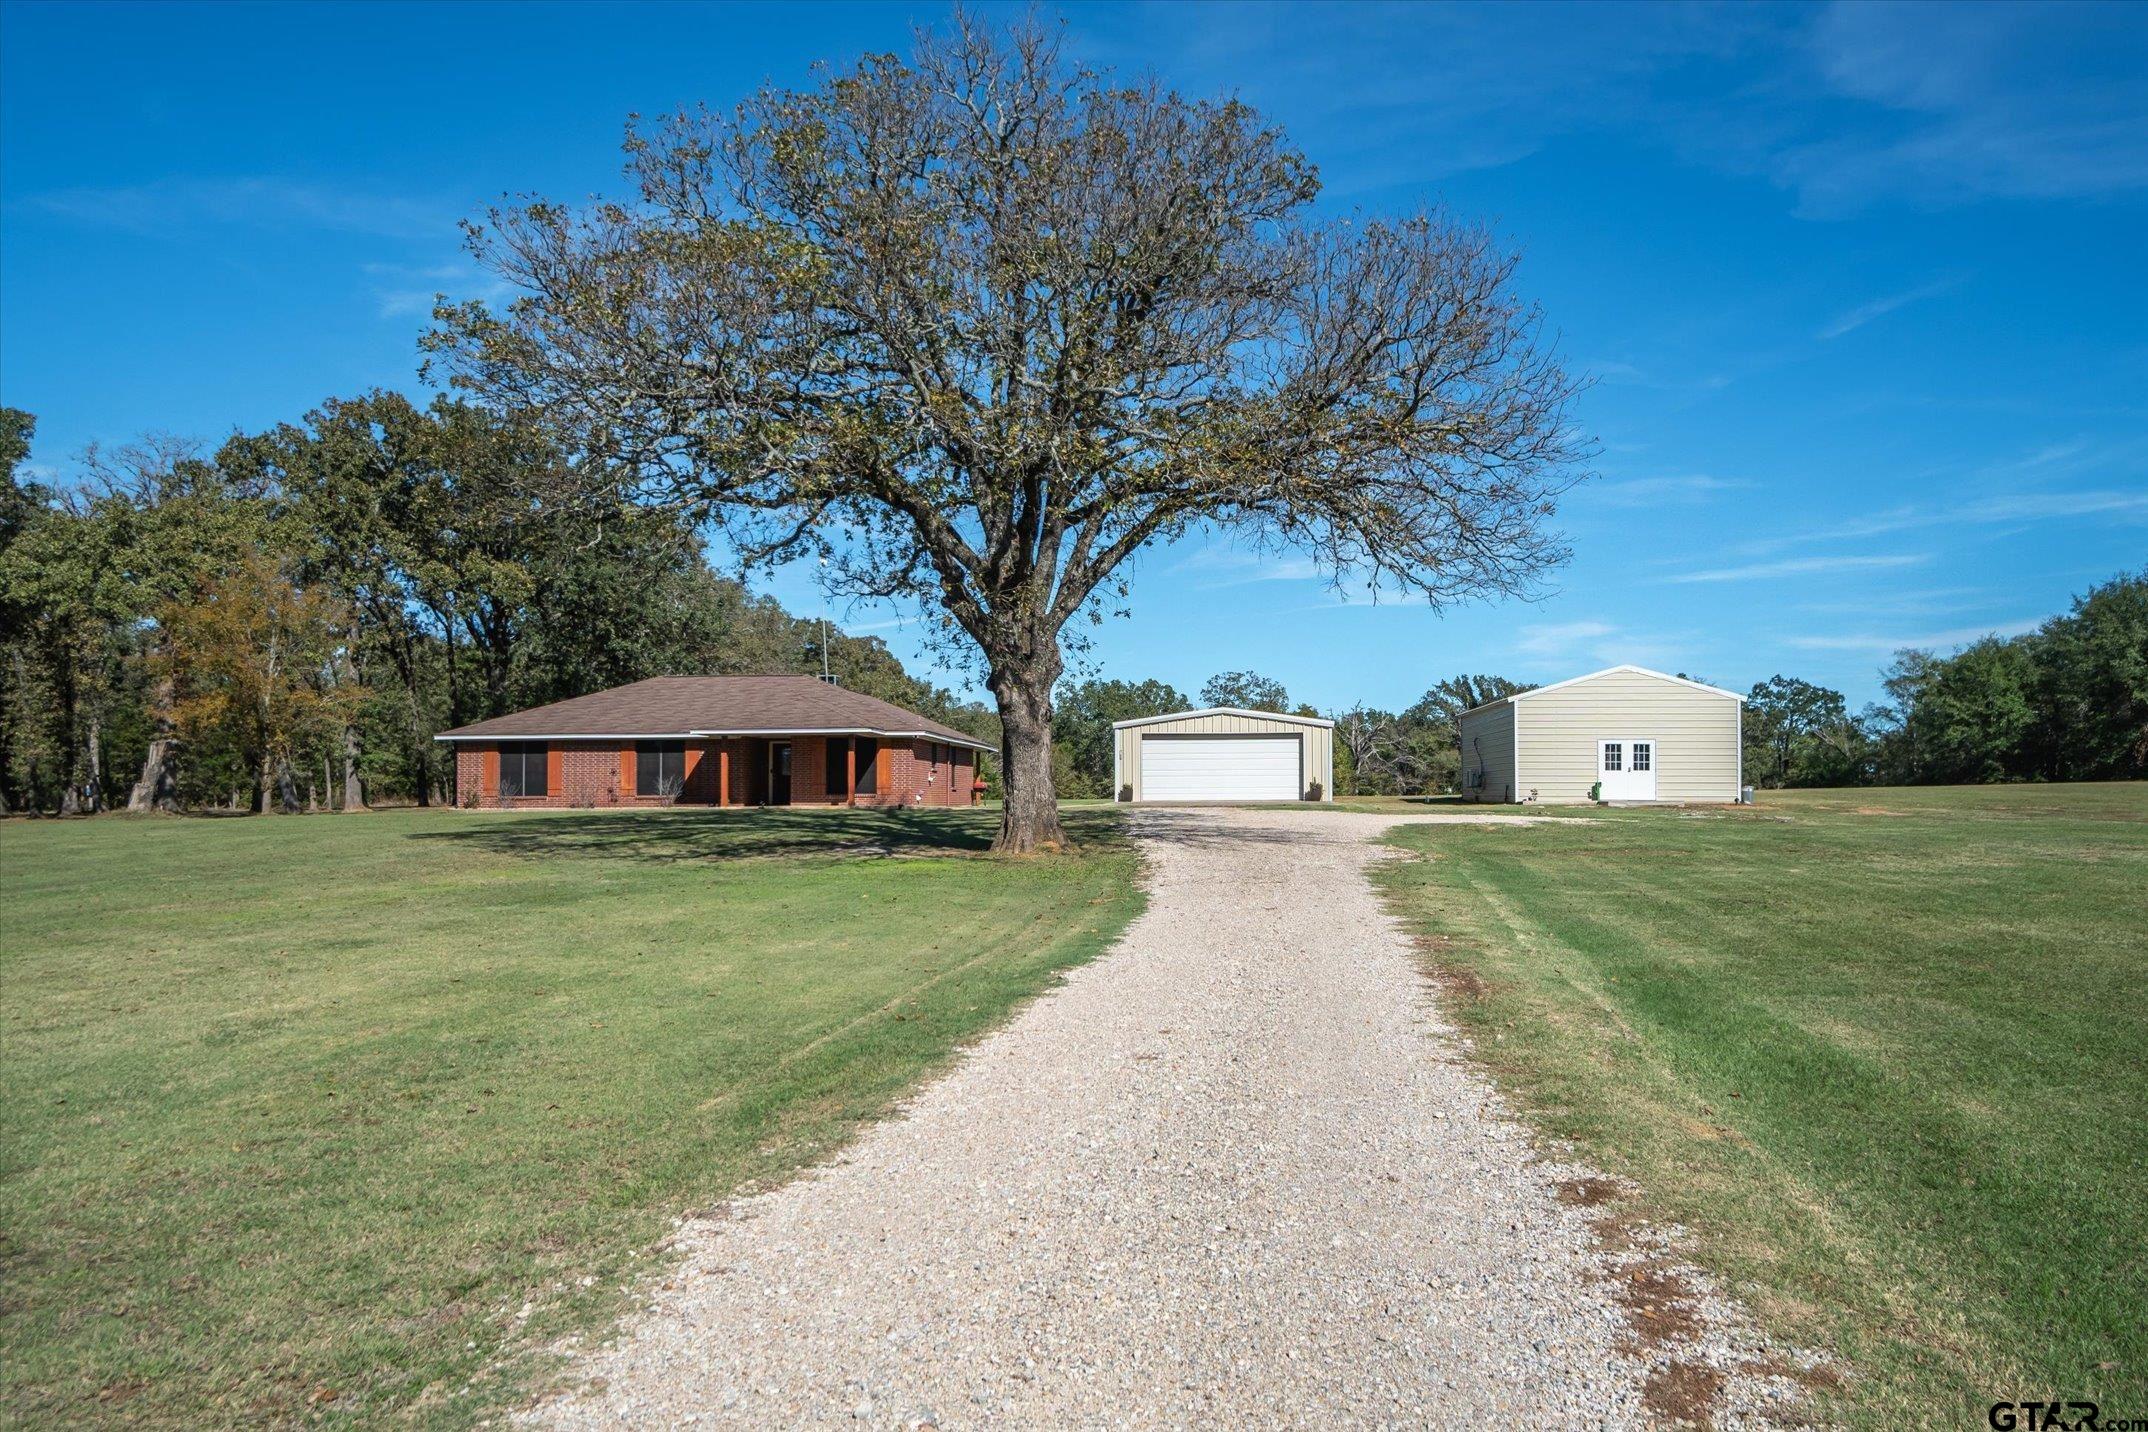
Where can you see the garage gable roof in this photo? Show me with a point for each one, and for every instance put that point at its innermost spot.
(1320, 721)
(1608, 671)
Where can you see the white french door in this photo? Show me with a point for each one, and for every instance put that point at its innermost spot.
(1626, 768)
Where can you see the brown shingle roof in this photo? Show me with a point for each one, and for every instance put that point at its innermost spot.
(713, 705)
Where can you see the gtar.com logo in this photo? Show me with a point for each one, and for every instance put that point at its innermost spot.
(2046, 1417)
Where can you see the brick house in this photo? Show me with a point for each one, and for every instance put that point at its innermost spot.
(715, 740)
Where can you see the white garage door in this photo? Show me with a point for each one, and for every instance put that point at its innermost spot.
(1220, 768)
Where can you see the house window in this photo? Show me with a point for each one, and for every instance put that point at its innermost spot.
(839, 767)
(522, 768)
(1614, 756)
(1644, 753)
(659, 768)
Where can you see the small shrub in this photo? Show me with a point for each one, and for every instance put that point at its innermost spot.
(1313, 791)
(1126, 792)
(1596, 792)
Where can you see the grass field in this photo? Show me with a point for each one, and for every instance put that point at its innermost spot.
(1885, 1051)
(338, 1117)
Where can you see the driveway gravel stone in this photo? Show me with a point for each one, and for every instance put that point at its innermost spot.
(1234, 1170)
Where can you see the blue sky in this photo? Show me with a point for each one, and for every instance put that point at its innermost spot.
(1861, 288)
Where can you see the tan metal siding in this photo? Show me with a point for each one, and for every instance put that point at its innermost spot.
(1488, 746)
(1696, 735)
(1318, 761)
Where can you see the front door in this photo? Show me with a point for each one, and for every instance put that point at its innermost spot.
(779, 773)
(1626, 769)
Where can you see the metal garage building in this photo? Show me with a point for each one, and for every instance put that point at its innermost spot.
(1223, 753)
(1640, 734)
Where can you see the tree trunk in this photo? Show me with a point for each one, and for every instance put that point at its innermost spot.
(264, 782)
(420, 750)
(353, 791)
(158, 786)
(286, 789)
(96, 761)
(71, 774)
(1029, 816)
(157, 789)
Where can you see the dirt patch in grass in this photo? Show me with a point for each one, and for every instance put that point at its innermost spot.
(1660, 1304)
(1683, 1394)
(1447, 974)
(1590, 1192)
(1663, 1309)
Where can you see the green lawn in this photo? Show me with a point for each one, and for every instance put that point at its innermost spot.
(334, 1117)
(1885, 1051)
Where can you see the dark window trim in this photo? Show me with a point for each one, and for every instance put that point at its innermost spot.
(656, 762)
(520, 761)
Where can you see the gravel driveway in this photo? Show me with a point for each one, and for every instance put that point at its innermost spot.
(1230, 1171)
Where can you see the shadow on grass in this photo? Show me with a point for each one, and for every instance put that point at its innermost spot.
(747, 833)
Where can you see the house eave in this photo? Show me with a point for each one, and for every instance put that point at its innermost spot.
(704, 735)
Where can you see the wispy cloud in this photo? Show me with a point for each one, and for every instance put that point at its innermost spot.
(1547, 640)
(1958, 636)
(1973, 102)
(1656, 491)
(1635, 376)
(2039, 506)
(1559, 649)
(2006, 490)
(888, 624)
(408, 290)
(1803, 567)
(1927, 602)
(2006, 507)
(1864, 313)
(1844, 106)
(1236, 567)
(166, 204)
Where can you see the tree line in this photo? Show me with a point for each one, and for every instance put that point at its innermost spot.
(2067, 702)
(285, 622)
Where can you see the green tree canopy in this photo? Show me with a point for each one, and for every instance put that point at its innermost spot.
(1247, 690)
(981, 325)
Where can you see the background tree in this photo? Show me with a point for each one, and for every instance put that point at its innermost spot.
(20, 503)
(2092, 685)
(1084, 713)
(1369, 746)
(1432, 729)
(980, 326)
(184, 522)
(1247, 690)
(1977, 712)
(61, 570)
(253, 657)
(1784, 717)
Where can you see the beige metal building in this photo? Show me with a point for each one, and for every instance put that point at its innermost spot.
(1222, 753)
(1639, 734)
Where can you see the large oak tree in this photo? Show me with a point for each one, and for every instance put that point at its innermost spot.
(980, 325)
